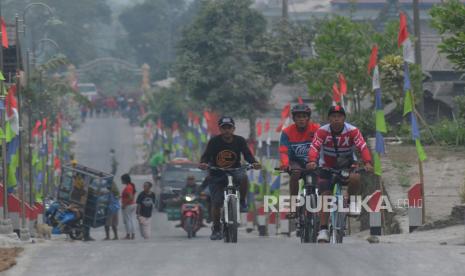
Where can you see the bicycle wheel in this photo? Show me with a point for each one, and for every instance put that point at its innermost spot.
(341, 226)
(225, 230)
(232, 213)
(305, 225)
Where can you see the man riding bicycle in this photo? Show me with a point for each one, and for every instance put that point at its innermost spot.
(294, 146)
(334, 141)
(224, 151)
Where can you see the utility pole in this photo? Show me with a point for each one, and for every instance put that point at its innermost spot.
(285, 12)
(417, 32)
(24, 231)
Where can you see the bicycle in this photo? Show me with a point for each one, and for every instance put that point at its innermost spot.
(338, 219)
(307, 222)
(230, 218)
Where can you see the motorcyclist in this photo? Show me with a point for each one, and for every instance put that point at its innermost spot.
(191, 188)
(224, 151)
(336, 140)
(294, 146)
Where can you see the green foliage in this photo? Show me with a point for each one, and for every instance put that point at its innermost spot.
(48, 93)
(447, 132)
(169, 104)
(449, 19)
(342, 46)
(74, 27)
(215, 58)
(460, 104)
(280, 47)
(153, 29)
(365, 121)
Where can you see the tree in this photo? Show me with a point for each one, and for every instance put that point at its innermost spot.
(449, 19)
(215, 59)
(280, 47)
(168, 104)
(153, 29)
(75, 26)
(343, 46)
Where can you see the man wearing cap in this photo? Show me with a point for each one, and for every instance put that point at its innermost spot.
(332, 142)
(224, 151)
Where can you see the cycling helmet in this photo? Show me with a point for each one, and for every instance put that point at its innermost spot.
(301, 108)
(336, 109)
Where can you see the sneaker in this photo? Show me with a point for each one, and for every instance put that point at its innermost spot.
(216, 235)
(244, 208)
(323, 236)
(354, 209)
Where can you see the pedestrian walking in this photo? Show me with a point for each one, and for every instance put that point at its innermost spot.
(128, 206)
(145, 204)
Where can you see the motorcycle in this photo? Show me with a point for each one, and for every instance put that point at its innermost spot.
(64, 220)
(191, 219)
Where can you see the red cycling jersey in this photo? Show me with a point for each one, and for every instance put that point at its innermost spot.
(294, 145)
(349, 139)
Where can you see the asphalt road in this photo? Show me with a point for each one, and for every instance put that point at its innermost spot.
(170, 253)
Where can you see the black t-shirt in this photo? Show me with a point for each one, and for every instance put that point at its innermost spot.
(146, 203)
(221, 154)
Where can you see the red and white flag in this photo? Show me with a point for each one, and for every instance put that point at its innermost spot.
(5, 42)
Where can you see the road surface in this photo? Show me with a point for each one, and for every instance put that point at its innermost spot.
(170, 253)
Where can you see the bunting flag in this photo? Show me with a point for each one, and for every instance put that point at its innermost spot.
(276, 185)
(12, 109)
(373, 59)
(342, 84)
(377, 164)
(284, 117)
(379, 111)
(409, 104)
(5, 42)
(403, 31)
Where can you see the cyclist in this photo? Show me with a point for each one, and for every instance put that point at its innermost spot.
(224, 151)
(294, 146)
(334, 141)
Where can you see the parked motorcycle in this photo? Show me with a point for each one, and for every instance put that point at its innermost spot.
(64, 219)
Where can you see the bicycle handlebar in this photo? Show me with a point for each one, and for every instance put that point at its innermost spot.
(243, 167)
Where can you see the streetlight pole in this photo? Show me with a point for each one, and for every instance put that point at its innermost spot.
(24, 229)
(30, 56)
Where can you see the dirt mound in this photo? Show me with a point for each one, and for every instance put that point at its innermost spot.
(457, 217)
(8, 257)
